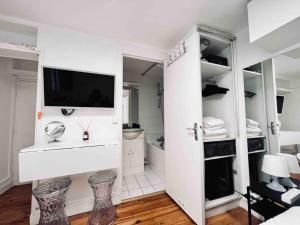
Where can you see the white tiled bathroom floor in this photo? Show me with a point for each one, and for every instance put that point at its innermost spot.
(141, 184)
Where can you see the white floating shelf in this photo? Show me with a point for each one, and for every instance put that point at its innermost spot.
(223, 139)
(26, 73)
(283, 91)
(250, 74)
(221, 201)
(210, 70)
(18, 51)
(257, 151)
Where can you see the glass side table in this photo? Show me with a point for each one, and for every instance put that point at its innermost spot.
(51, 199)
(104, 212)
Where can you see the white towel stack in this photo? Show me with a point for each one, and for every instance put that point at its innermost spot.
(253, 128)
(214, 128)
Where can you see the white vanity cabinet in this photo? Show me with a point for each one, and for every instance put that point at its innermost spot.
(133, 155)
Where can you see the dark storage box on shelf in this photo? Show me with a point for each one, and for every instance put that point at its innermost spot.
(255, 144)
(219, 148)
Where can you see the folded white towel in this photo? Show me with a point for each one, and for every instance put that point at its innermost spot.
(209, 122)
(215, 137)
(252, 126)
(215, 128)
(252, 122)
(254, 130)
(253, 134)
(221, 131)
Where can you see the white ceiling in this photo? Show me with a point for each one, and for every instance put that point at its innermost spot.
(138, 67)
(158, 23)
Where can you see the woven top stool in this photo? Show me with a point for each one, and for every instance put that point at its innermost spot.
(104, 213)
(51, 199)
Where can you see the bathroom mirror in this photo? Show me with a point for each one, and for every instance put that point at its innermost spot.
(130, 104)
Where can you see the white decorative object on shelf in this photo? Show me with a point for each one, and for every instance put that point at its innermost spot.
(54, 130)
(177, 52)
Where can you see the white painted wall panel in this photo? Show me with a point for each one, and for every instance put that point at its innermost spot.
(77, 51)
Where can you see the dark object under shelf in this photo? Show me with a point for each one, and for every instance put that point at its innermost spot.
(249, 94)
(255, 144)
(212, 89)
(254, 169)
(255, 68)
(217, 60)
(218, 178)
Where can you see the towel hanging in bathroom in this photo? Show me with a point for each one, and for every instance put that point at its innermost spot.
(212, 89)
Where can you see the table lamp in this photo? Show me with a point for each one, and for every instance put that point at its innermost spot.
(276, 166)
(293, 166)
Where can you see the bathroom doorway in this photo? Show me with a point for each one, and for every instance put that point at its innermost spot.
(143, 128)
(18, 79)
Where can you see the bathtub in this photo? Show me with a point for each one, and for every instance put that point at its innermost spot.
(156, 158)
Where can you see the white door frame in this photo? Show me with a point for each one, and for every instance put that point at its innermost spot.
(14, 159)
(145, 57)
(14, 51)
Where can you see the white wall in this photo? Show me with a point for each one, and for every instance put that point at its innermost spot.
(77, 51)
(290, 117)
(6, 109)
(69, 49)
(150, 117)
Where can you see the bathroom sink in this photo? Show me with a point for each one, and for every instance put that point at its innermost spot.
(132, 133)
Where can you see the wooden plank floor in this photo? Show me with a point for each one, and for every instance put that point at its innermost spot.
(155, 210)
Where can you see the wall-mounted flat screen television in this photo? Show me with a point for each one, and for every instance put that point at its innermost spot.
(67, 88)
(280, 101)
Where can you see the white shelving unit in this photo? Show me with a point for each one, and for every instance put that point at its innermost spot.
(211, 70)
(213, 105)
(283, 91)
(250, 74)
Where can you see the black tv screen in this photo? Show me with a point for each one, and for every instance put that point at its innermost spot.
(66, 88)
(280, 100)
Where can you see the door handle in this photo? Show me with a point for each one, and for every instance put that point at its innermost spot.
(272, 127)
(195, 129)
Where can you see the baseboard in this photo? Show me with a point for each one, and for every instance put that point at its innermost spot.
(222, 208)
(5, 185)
(74, 207)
